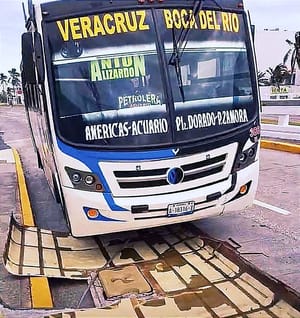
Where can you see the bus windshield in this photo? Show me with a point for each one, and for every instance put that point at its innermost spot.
(123, 79)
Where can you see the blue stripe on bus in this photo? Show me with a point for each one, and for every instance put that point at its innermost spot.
(111, 202)
(91, 158)
(116, 155)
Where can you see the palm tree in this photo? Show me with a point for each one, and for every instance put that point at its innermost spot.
(3, 81)
(294, 52)
(14, 78)
(262, 79)
(279, 75)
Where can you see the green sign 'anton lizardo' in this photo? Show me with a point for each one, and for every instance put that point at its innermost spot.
(116, 68)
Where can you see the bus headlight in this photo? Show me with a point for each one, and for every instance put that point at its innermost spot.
(76, 177)
(245, 158)
(251, 152)
(83, 180)
(89, 179)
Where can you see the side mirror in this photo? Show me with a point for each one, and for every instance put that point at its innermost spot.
(28, 71)
(32, 58)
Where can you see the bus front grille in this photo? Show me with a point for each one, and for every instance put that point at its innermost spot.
(140, 178)
(157, 178)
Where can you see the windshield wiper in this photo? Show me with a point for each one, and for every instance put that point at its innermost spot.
(180, 44)
(182, 39)
(175, 61)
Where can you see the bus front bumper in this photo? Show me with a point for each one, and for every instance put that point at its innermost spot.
(122, 213)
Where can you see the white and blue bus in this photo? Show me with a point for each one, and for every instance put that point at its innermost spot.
(143, 113)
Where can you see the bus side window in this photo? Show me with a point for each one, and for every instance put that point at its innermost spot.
(26, 95)
(31, 100)
(38, 56)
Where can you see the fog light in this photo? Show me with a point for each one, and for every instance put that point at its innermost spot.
(76, 177)
(243, 189)
(89, 179)
(92, 213)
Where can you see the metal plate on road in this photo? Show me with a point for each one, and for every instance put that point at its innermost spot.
(182, 208)
(31, 251)
(174, 271)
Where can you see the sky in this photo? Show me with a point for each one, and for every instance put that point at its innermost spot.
(265, 14)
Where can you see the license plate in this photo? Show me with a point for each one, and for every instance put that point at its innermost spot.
(182, 208)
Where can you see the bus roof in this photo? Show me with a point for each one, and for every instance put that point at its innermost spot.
(58, 8)
(221, 3)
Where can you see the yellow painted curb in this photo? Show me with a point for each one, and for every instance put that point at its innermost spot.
(282, 146)
(39, 286)
(24, 198)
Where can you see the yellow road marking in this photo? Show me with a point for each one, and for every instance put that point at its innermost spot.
(40, 292)
(39, 286)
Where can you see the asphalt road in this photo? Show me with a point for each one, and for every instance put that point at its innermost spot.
(269, 235)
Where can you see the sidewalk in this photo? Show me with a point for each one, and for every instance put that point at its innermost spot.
(13, 290)
(9, 204)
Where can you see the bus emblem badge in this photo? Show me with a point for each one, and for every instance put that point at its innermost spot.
(175, 175)
(175, 151)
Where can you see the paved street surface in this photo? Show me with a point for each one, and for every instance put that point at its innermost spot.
(268, 234)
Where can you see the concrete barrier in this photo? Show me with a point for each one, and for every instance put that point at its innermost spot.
(283, 130)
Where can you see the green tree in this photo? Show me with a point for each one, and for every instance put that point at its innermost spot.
(3, 97)
(262, 79)
(294, 53)
(14, 79)
(279, 75)
(3, 81)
